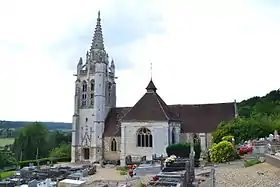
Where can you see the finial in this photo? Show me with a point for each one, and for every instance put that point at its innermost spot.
(112, 63)
(97, 41)
(151, 70)
(98, 17)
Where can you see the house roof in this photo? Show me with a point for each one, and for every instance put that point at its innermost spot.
(203, 118)
(150, 107)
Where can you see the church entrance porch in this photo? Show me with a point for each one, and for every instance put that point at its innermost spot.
(86, 153)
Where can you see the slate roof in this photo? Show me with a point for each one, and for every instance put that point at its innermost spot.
(150, 107)
(203, 118)
(113, 121)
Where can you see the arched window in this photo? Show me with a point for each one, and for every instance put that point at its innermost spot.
(113, 145)
(84, 99)
(84, 88)
(109, 92)
(92, 85)
(173, 136)
(144, 138)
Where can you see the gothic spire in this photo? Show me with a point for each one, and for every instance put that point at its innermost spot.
(97, 41)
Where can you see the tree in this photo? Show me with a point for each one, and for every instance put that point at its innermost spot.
(6, 158)
(64, 150)
(31, 137)
(258, 117)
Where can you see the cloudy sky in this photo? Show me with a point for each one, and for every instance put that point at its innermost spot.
(202, 51)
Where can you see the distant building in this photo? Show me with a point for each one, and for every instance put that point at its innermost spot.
(102, 131)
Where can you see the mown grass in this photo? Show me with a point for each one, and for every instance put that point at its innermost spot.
(123, 170)
(6, 174)
(6, 141)
(252, 162)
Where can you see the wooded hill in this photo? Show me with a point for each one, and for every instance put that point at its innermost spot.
(258, 117)
(49, 125)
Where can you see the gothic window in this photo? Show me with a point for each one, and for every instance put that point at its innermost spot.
(109, 92)
(84, 88)
(144, 138)
(92, 85)
(84, 99)
(114, 145)
(91, 98)
(173, 136)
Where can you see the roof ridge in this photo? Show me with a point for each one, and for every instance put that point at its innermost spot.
(157, 97)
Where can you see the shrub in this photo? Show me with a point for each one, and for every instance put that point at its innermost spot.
(228, 138)
(179, 150)
(64, 150)
(222, 152)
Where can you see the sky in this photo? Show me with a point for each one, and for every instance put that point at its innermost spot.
(201, 51)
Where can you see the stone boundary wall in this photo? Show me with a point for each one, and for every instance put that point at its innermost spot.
(272, 160)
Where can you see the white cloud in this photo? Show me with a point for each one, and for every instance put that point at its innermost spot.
(211, 51)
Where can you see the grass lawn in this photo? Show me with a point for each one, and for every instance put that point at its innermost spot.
(6, 174)
(6, 141)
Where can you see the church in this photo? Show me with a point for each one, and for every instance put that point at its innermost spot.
(104, 132)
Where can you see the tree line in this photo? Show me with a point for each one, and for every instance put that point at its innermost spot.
(35, 141)
(258, 117)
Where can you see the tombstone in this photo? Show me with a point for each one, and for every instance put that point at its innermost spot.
(128, 160)
(32, 183)
(270, 137)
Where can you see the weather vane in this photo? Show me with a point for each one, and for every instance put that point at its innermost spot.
(151, 70)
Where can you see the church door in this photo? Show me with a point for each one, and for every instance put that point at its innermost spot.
(86, 153)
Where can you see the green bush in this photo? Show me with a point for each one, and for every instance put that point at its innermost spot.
(64, 150)
(228, 138)
(222, 152)
(179, 150)
(43, 161)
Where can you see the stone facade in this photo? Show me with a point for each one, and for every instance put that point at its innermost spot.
(95, 95)
(109, 153)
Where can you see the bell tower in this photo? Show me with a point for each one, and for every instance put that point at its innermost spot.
(94, 97)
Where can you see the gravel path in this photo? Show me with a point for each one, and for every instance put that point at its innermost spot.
(261, 175)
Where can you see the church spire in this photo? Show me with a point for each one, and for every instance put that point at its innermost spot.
(97, 41)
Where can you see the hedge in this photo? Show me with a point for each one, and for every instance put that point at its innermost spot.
(43, 161)
(179, 150)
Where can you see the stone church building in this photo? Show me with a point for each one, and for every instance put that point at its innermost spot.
(102, 131)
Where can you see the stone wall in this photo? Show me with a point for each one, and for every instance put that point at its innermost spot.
(108, 153)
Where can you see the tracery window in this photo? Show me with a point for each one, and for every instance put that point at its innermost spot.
(84, 99)
(113, 145)
(144, 138)
(92, 85)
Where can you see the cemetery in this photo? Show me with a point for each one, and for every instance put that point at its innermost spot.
(163, 171)
(48, 176)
